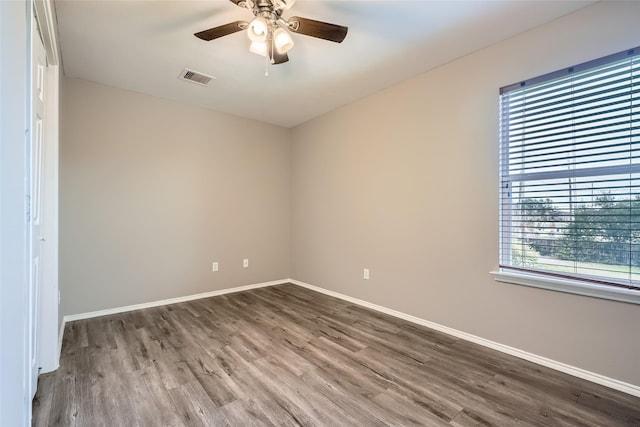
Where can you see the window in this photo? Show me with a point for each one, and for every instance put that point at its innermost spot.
(570, 179)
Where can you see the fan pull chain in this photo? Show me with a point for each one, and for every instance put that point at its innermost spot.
(273, 46)
(266, 65)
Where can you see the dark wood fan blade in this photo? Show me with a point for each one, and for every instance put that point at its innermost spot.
(222, 30)
(239, 3)
(319, 29)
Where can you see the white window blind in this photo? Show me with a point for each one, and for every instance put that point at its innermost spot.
(570, 173)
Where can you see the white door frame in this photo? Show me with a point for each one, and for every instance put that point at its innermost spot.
(15, 27)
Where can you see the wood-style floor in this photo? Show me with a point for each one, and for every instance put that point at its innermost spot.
(284, 355)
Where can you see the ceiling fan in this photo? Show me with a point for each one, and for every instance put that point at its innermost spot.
(269, 31)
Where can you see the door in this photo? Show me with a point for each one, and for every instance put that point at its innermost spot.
(35, 187)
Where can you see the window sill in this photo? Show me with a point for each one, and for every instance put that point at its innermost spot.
(567, 285)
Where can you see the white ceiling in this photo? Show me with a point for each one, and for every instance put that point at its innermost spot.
(144, 45)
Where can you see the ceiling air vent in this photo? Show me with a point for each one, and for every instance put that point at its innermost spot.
(195, 77)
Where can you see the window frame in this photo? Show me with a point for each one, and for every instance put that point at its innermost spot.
(544, 279)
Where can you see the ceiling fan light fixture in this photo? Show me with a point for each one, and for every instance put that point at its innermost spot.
(270, 33)
(258, 29)
(282, 40)
(259, 48)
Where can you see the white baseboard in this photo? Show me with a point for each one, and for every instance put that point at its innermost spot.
(116, 310)
(549, 363)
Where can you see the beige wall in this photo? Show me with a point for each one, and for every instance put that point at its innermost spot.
(151, 192)
(405, 183)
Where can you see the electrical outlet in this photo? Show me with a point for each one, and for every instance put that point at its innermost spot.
(245, 263)
(214, 266)
(365, 274)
